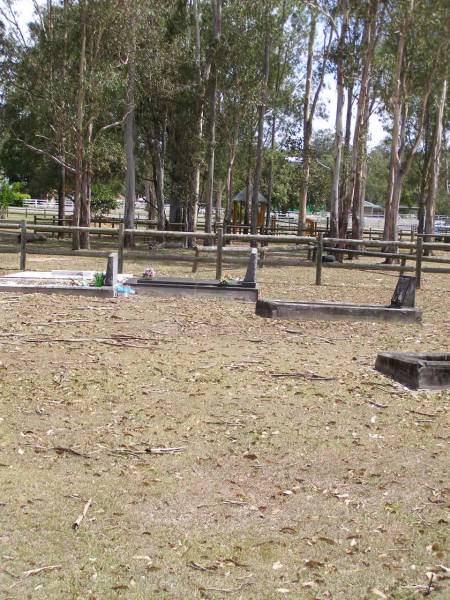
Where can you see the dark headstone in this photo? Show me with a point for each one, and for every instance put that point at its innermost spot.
(405, 293)
(111, 270)
(250, 275)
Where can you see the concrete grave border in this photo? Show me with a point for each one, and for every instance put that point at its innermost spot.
(329, 311)
(417, 371)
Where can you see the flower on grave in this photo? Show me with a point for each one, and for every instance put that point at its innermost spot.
(149, 272)
(226, 279)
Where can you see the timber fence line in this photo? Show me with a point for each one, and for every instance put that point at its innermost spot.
(316, 247)
(278, 227)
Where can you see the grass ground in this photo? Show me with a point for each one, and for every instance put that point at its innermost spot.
(283, 487)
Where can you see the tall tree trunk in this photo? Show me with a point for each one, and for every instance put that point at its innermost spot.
(248, 186)
(150, 194)
(353, 191)
(344, 206)
(230, 170)
(270, 190)
(401, 160)
(79, 127)
(425, 173)
(307, 126)
(62, 175)
(260, 141)
(216, 6)
(391, 208)
(129, 129)
(193, 204)
(309, 109)
(435, 162)
(159, 152)
(338, 139)
(85, 212)
(61, 196)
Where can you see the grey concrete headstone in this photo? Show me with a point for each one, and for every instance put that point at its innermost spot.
(250, 275)
(405, 293)
(111, 270)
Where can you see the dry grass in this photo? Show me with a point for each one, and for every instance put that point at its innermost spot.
(284, 487)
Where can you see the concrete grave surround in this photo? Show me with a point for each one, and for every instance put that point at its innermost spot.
(418, 371)
(170, 286)
(56, 282)
(333, 311)
(401, 308)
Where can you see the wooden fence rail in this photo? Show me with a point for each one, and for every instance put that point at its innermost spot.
(219, 238)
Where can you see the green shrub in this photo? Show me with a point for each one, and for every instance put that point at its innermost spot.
(103, 199)
(11, 194)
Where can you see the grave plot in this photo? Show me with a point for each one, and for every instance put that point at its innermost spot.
(109, 283)
(401, 308)
(418, 371)
(54, 282)
(242, 289)
(90, 283)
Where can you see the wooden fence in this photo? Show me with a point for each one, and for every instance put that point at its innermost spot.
(396, 258)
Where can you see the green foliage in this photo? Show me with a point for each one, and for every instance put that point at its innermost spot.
(40, 83)
(11, 194)
(103, 198)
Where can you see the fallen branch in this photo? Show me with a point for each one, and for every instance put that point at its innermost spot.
(227, 590)
(164, 450)
(422, 414)
(198, 567)
(377, 404)
(61, 450)
(77, 523)
(32, 572)
(309, 376)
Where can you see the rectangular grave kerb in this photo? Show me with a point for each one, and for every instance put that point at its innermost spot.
(331, 311)
(417, 371)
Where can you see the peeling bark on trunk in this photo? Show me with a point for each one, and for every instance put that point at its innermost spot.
(79, 128)
(353, 192)
(230, 168)
(270, 190)
(307, 126)
(217, 26)
(129, 132)
(344, 206)
(159, 151)
(61, 197)
(338, 140)
(85, 212)
(193, 204)
(248, 186)
(435, 163)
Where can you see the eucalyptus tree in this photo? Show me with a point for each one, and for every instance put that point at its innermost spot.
(418, 58)
(339, 135)
(63, 82)
(311, 98)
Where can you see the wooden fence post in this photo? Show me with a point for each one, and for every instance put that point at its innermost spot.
(419, 253)
(319, 251)
(23, 245)
(219, 244)
(120, 248)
